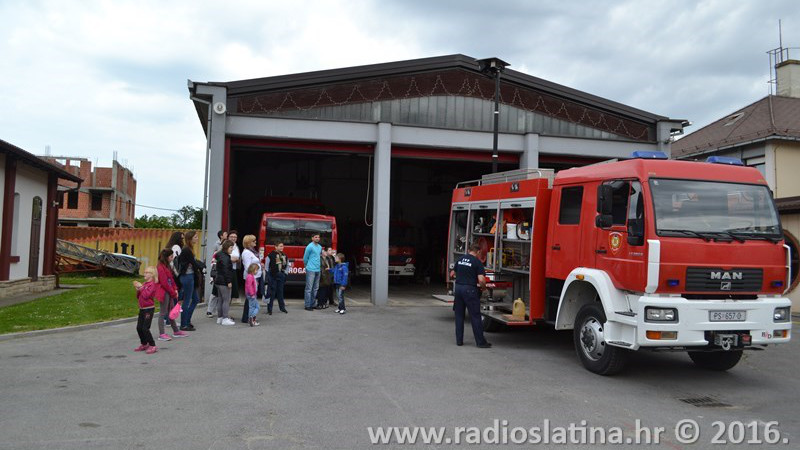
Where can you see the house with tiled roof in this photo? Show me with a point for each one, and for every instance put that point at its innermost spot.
(29, 194)
(764, 135)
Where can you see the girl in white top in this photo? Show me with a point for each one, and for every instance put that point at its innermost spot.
(249, 257)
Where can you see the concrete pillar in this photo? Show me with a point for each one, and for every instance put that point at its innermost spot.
(664, 129)
(381, 181)
(217, 162)
(530, 152)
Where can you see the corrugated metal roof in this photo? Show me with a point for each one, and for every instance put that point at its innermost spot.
(417, 66)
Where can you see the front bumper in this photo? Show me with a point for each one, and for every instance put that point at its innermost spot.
(694, 326)
(394, 271)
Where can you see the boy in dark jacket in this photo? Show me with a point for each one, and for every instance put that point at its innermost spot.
(340, 274)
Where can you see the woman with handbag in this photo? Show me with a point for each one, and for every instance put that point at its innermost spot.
(189, 269)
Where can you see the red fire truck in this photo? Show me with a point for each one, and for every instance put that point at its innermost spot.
(646, 253)
(295, 231)
(402, 253)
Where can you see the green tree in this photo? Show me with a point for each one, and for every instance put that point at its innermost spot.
(153, 221)
(187, 217)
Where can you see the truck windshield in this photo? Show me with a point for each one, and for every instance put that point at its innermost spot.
(293, 232)
(710, 210)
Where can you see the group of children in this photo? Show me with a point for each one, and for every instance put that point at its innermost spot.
(159, 285)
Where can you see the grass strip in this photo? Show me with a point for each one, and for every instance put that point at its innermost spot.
(103, 299)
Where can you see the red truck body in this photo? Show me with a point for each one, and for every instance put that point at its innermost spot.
(697, 243)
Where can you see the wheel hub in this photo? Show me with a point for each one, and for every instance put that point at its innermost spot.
(592, 340)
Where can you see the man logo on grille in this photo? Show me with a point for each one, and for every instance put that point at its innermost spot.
(726, 275)
(725, 286)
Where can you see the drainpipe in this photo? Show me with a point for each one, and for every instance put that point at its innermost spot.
(205, 177)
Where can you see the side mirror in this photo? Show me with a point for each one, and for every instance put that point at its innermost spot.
(604, 196)
(603, 220)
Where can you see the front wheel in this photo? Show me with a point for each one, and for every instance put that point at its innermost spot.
(719, 361)
(590, 344)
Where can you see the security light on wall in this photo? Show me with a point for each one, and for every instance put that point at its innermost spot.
(219, 108)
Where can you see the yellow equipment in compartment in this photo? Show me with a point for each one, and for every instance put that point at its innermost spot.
(518, 310)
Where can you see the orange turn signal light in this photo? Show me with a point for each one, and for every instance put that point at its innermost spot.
(661, 335)
(580, 277)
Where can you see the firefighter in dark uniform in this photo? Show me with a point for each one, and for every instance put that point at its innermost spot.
(469, 272)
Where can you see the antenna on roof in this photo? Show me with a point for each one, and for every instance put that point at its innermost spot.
(776, 56)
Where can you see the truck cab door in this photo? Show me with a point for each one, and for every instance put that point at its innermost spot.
(619, 239)
(566, 236)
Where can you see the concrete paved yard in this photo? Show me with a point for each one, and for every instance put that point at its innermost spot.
(318, 380)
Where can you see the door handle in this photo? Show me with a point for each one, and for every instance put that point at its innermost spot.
(556, 247)
(601, 251)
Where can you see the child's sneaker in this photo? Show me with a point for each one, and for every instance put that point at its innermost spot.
(209, 315)
(180, 334)
(164, 337)
(151, 350)
(255, 323)
(342, 311)
(141, 348)
(227, 322)
(337, 311)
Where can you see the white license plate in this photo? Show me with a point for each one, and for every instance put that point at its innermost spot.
(727, 316)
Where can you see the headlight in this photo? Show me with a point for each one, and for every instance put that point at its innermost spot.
(661, 314)
(781, 314)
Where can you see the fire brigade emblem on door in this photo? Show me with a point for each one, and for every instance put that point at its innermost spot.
(615, 242)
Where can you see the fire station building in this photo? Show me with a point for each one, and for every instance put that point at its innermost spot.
(386, 143)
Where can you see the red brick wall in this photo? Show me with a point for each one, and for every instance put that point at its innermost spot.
(102, 177)
(112, 201)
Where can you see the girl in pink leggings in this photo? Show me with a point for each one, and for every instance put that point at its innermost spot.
(146, 294)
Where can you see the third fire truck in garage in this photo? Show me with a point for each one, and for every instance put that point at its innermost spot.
(646, 253)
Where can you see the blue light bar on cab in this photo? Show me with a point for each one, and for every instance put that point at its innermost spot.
(724, 160)
(644, 154)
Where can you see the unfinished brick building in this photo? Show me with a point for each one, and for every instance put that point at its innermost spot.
(106, 198)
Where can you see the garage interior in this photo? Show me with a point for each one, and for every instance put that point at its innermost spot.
(337, 180)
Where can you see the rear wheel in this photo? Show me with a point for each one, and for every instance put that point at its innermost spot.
(590, 344)
(719, 361)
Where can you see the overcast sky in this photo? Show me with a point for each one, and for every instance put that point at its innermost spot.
(89, 78)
